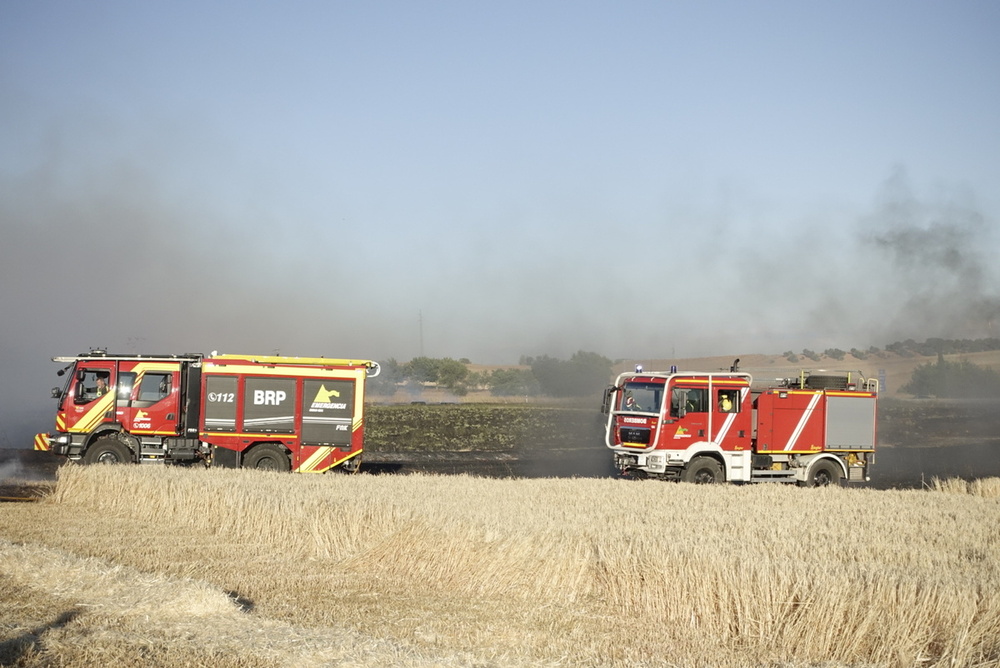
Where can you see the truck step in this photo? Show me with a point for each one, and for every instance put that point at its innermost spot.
(773, 476)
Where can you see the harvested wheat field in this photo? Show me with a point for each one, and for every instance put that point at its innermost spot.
(176, 567)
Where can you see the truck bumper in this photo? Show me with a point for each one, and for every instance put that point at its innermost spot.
(58, 444)
(652, 463)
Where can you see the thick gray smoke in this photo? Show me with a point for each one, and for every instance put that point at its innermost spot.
(941, 276)
(104, 260)
(108, 257)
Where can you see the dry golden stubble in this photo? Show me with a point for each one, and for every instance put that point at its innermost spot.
(588, 572)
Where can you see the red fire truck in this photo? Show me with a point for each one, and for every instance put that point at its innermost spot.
(267, 412)
(811, 429)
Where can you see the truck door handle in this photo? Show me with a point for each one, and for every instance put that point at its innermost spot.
(170, 416)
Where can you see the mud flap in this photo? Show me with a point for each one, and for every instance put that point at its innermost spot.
(225, 458)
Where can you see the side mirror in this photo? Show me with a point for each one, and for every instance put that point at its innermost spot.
(56, 393)
(80, 374)
(606, 404)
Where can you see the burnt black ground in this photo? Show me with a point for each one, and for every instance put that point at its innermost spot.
(912, 467)
(919, 440)
(895, 467)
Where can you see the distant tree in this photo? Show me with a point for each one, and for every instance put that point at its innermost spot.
(834, 353)
(953, 380)
(421, 369)
(983, 345)
(476, 380)
(552, 375)
(935, 346)
(809, 354)
(932, 346)
(583, 374)
(790, 356)
(902, 348)
(858, 354)
(453, 375)
(513, 383)
(445, 372)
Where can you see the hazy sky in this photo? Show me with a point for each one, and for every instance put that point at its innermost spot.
(491, 180)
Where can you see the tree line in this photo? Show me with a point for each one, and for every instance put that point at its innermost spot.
(587, 373)
(583, 374)
(953, 380)
(908, 348)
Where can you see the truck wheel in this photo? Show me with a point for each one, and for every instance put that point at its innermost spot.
(107, 450)
(267, 457)
(824, 474)
(703, 471)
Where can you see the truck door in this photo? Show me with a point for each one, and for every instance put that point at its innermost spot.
(91, 398)
(731, 418)
(150, 399)
(689, 406)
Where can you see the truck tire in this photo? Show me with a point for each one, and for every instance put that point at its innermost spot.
(824, 474)
(703, 471)
(107, 450)
(267, 457)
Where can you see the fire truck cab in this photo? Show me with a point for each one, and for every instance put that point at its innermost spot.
(811, 429)
(270, 412)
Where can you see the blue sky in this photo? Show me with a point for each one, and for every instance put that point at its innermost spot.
(491, 180)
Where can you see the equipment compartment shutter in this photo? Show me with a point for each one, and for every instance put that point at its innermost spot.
(850, 423)
(220, 403)
(327, 412)
(269, 405)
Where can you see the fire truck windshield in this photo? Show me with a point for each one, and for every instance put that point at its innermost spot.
(646, 397)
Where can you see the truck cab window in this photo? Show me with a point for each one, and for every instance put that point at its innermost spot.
(154, 386)
(728, 401)
(646, 397)
(92, 384)
(691, 399)
(126, 382)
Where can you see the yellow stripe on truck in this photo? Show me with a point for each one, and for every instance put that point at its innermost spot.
(42, 442)
(314, 459)
(95, 415)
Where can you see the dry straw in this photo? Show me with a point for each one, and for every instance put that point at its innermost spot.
(574, 572)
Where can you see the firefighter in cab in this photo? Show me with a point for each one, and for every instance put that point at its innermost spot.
(630, 403)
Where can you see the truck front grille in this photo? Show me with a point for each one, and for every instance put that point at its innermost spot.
(634, 436)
